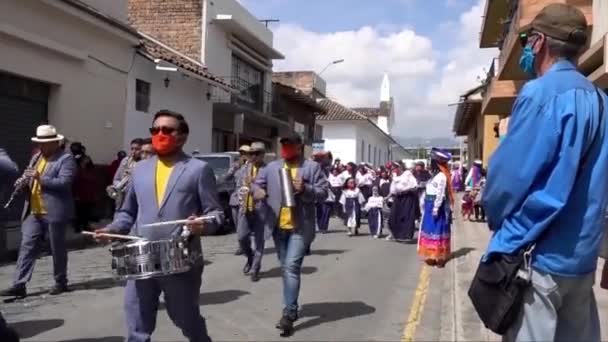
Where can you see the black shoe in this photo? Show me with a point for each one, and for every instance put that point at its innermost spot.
(247, 267)
(58, 289)
(18, 292)
(285, 324)
(255, 276)
(238, 252)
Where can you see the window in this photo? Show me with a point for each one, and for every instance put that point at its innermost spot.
(362, 150)
(369, 153)
(142, 96)
(249, 81)
(375, 156)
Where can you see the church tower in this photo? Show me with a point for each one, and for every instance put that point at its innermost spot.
(387, 110)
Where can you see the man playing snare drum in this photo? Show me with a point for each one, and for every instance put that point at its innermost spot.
(169, 186)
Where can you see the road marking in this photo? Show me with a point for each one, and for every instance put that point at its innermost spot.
(409, 331)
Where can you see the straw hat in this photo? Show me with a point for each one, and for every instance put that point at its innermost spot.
(46, 133)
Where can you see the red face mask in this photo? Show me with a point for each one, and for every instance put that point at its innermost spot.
(289, 152)
(164, 143)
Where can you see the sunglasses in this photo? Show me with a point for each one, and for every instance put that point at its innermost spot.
(164, 129)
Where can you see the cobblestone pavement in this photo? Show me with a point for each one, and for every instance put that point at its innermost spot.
(353, 289)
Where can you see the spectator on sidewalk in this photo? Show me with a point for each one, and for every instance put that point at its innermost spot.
(547, 182)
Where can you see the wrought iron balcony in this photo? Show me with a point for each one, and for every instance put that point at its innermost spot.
(509, 25)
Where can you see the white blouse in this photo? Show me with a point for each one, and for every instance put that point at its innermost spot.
(335, 181)
(374, 202)
(352, 194)
(403, 183)
(365, 179)
(437, 187)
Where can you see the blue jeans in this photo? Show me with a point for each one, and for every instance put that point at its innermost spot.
(291, 249)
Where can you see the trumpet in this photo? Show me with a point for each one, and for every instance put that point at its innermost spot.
(116, 191)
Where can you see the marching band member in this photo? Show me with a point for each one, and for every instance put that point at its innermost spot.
(293, 228)
(147, 150)
(8, 170)
(251, 214)
(47, 211)
(235, 173)
(351, 202)
(170, 186)
(126, 167)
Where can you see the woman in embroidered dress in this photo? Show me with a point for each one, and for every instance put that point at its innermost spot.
(404, 192)
(351, 201)
(434, 239)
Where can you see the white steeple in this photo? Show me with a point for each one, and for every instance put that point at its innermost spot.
(385, 89)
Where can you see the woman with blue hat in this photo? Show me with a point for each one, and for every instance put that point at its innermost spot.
(434, 238)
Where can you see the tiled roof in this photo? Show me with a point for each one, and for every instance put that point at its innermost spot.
(296, 95)
(155, 49)
(368, 111)
(336, 112)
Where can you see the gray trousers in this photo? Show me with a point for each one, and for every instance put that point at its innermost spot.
(33, 231)
(181, 293)
(558, 309)
(255, 237)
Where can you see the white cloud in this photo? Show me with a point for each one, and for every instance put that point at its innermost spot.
(425, 77)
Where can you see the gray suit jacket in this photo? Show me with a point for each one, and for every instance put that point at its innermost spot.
(191, 190)
(260, 206)
(315, 189)
(56, 183)
(235, 174)
(8, 170)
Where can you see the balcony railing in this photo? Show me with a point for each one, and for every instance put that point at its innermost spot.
(489, 76)
(509, 25)
(248, 95)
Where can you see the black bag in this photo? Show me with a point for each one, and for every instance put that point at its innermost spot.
(497, 291)
(498, 287)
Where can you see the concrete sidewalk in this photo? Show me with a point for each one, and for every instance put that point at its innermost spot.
(469, 241)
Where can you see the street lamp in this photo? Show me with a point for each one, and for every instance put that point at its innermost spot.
(337, 61)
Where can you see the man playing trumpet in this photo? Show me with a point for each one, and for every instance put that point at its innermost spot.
(47, 210)
(251, 214)
(122, 176)
(170, 186)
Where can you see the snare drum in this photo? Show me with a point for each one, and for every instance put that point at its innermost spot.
(148, 259)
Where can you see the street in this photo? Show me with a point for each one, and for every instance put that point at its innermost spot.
(353, 289)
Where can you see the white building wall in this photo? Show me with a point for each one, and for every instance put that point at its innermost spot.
(85, 62)
(185, 95)
(372, 137)
(600, 20)
(341, 140)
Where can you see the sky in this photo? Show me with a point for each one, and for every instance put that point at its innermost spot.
(429, 48)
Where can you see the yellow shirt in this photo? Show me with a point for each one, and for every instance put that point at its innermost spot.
(37, 205)
(254, 173)
(163, 173)
(286, 214)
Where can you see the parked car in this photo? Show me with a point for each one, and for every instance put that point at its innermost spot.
(220, 164)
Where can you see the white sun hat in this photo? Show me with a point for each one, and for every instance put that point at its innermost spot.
(46, 133)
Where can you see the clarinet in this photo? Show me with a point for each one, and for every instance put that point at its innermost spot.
(22, 182)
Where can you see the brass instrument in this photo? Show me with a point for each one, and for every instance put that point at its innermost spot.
(116, 192)
(244, 191)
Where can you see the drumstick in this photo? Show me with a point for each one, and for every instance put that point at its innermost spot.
(176, 222)
(116, 236)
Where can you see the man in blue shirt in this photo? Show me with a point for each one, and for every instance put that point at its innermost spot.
(547, 182)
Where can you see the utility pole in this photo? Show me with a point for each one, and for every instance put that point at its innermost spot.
(266, 21)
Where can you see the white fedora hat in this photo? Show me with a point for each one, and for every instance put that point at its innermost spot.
(46, 133)
(257, 147)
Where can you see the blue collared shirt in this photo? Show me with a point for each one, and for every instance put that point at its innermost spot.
(549, 176)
